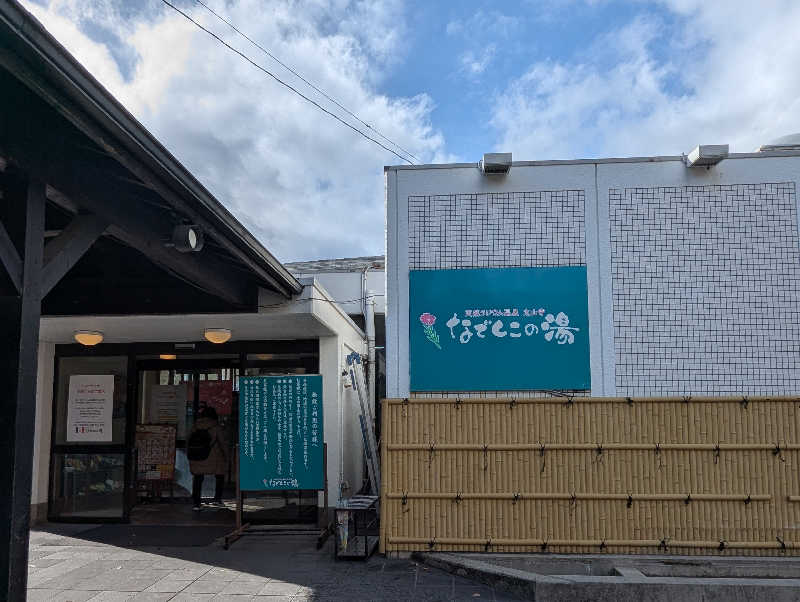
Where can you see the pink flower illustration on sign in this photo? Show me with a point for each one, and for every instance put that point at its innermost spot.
(428, 320)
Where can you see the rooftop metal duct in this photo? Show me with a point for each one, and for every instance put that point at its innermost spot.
(784, 143)
(495, 164)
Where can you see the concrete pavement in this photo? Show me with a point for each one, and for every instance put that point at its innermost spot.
(271, 568)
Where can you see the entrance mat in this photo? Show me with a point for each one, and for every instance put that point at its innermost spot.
(138, 536)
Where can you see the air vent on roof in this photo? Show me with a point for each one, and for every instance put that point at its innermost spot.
(495, 164)
(784, 143)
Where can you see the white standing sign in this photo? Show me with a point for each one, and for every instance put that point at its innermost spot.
(90, 408)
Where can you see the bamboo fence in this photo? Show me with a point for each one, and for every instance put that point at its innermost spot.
(682, 475)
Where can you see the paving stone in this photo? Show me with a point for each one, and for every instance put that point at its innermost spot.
(243, 587)
(279, 588)
(42, 595)
(185, 597)
(205, 586)
(167, 585)
(112, 597)
(233, 598)
(151, 597)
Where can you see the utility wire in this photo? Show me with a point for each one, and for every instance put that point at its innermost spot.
(288, 68)
(283, 83)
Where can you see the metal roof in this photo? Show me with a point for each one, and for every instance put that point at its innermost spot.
(346, 264)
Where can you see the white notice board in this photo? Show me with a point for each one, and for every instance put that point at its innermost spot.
(90, 408)
(168, 406)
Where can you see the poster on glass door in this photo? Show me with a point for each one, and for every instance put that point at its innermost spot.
(90, 407)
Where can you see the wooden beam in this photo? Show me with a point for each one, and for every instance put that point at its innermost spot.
(67, 248)
(10, 258)
(19, 341)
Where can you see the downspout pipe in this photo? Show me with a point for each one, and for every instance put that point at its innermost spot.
(369, 316)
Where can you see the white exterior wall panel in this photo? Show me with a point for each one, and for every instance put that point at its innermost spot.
(693, 274)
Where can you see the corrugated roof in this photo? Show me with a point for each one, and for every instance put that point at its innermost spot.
(345, 264)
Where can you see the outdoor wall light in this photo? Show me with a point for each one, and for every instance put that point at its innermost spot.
(88, 337)
(217, 335)
(167, 356)
(187, 238)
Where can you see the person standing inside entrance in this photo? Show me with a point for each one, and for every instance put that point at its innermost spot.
(207, 451)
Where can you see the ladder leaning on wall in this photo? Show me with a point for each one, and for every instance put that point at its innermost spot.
(366, 419)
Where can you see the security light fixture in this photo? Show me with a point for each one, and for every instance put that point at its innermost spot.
(187, 238)
(707, 155)
(495, 164)
(88, 338)
(217, 335)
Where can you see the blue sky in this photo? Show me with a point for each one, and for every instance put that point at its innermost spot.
(543, 79)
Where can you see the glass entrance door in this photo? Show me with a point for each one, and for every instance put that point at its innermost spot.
(89, 454)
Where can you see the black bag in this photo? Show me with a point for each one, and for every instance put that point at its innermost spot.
(199, 445)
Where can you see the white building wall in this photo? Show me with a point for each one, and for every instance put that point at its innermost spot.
(693, 274)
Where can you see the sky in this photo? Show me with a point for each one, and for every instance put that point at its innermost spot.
(446, 81)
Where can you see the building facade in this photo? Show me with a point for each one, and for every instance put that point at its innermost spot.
(692, 273)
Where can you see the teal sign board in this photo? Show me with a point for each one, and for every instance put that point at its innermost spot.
(499, 329)
(280, 433)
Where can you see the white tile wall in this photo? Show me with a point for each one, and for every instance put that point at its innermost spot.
(706, 289)
(515, 229)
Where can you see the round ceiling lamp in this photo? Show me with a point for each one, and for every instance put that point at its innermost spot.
(88, 337)
(217, 335)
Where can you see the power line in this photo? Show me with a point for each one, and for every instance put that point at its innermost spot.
(283, 83)
(288, 68)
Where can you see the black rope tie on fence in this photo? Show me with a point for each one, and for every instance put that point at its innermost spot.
(687, 398)
(487, 545)
(404, 502)
(573, 500)
(544, 546)
(748, 500)
(602, 545)
(688, 499)
(716, 453)
(745, 402)
(405, 406)
(778, 452)
(658, 455)
(542, 456)
(512, 403)
(721, 545)
(486, 457)
(431, 543)
(570, 400)
(458, 498)
(629, 400)
(663, 544)
(430, 456)
(599, 451)
(458, 403)
(630, 501)
(780, 541)
(515, 498)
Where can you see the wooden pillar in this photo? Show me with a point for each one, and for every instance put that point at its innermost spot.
(19, 339)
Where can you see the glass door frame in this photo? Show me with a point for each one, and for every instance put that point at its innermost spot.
(124, 449)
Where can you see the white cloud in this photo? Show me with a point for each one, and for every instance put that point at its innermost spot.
(722, 76)
(475, 64)
(304, 184)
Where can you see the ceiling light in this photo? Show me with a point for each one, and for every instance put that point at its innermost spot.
(88, 337)
(167, 356)
(217, 335)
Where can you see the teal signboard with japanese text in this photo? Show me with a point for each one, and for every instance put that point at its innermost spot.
(499, 329)
(280, 433)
